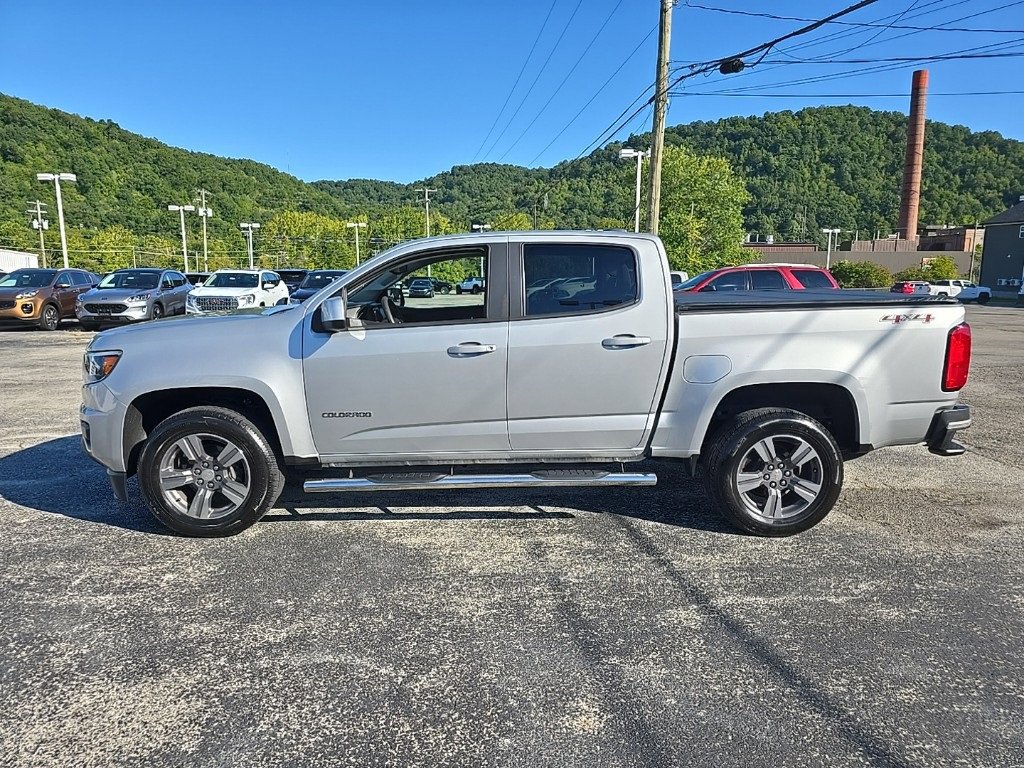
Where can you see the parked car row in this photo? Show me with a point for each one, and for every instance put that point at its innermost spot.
(44, 297)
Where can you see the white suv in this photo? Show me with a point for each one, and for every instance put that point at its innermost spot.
(470, 285)
(228, 289)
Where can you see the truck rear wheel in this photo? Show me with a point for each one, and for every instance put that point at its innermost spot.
(774, 471)
(208, 472)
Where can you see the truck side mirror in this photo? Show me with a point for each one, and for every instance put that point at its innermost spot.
(333, 315)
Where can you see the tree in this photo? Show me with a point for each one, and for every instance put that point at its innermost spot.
(861, 274)
(943, 268)
(702, 202)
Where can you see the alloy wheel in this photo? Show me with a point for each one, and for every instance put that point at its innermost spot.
(204, 476)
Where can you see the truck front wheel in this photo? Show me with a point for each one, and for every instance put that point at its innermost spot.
(774, 471)
(208, 472)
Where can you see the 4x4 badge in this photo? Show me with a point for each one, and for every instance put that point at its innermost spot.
(907, 318)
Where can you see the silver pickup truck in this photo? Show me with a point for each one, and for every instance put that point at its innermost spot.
(574, 362)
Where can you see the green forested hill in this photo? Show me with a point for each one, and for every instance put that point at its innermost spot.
(826, 166)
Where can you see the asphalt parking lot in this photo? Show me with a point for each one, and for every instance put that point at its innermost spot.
(525, 628)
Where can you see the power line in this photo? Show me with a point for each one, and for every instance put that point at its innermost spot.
(920, 59)
(921, 11)
(565, 79)
(843, 95)
(868, 24)
(598, 92)
(616, 125)
(864, 71)
(535, 79)
(516, 83)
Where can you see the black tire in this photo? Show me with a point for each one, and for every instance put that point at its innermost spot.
(264, 476)
(458, 289)
(983, 298)
(733, 445)
(158, 311)
(88, 325)
(49, 318)
(943, 295)
(476, 289)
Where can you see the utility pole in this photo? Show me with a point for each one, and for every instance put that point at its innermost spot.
(426, 202)
(828, 255)
(40, 223)
(205, 213)
(626, 154)
(660, 108)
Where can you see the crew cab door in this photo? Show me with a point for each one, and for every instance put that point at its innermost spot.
(429, 385)
(588, 353)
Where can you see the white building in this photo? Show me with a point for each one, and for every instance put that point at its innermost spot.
(12, 260)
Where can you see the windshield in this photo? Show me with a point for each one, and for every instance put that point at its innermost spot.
(232, 280)
(691, 282)
(317, 280)
(421, 284)
(131, 280)
(28, 278)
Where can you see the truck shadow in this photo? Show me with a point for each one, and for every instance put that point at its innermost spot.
(57, 477)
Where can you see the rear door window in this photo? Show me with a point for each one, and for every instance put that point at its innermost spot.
(767, 280)
(80, 278)
(730, 281)
(577, 279)
(812, 278)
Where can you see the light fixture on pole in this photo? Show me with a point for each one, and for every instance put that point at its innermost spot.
(356, 225)
(828, 254)
(248, 227)
(205, 213)
(180, 209)
(40, 223)
(627, 153)
(57, 178)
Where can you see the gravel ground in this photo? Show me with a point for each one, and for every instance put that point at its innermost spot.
(525, 628)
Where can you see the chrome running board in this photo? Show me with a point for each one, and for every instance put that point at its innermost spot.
(423, 481)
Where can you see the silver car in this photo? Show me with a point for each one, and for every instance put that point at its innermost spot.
(132, 295)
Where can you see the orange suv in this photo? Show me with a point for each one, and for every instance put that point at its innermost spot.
(42, 297)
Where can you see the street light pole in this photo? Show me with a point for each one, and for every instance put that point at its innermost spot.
(828, 254)
(357, 225)
(248, 227)
(480, 228)
(205, 213)
(181, 214)
(626, 153)
(57, 178)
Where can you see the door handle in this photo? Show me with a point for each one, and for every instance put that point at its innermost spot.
(625, 341)
(470, 349)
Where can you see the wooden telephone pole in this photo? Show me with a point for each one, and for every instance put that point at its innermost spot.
(660, 107)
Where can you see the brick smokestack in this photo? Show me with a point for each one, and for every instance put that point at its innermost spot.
(910, 192)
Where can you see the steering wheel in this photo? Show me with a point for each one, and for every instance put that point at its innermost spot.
(385, 304)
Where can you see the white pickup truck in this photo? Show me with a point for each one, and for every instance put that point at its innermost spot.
(764, 393)
(963, 290)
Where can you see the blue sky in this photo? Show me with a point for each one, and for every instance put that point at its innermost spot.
(402, 90)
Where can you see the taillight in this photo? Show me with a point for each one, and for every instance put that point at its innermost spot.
(958, 358)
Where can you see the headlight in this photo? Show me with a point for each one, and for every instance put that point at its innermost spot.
(98, 365)
(27, 294)
(140, 297)
(249, 298)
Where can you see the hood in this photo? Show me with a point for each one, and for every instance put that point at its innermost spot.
(181, 326)
(10, 293)
(114, 294)
(210, 290)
